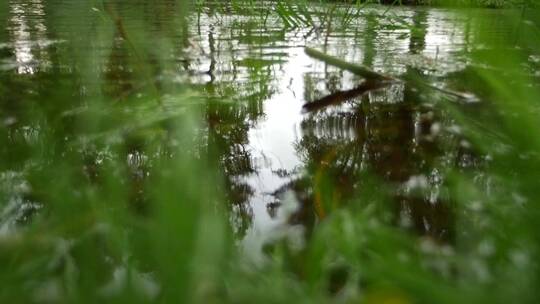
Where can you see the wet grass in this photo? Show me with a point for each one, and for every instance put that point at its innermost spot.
(110, 189)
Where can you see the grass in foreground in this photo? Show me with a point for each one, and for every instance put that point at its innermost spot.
(118, 199)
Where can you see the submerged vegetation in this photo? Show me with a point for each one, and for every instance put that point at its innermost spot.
(174, 151)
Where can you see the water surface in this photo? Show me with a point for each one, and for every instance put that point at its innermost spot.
(282, 165)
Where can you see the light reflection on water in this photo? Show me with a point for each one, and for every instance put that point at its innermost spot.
(29, 36)
(278, 132)
(272, 141)
(259, 77)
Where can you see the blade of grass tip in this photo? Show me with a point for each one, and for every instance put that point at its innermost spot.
(303, 8)
(119, 24)
(283, 14)
(389, 7)
(301, 13)
(351, 67)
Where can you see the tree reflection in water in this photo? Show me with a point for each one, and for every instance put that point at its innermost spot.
(245, 65)
(393, 132)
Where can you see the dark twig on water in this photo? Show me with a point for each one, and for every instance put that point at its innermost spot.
(342, 96)
(369, 74)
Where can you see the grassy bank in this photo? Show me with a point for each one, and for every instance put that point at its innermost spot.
(113, 188)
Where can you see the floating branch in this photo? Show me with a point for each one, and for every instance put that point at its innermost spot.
(342, 96)
(372, 75)
(351, 67)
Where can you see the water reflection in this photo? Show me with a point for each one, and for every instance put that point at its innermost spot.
(27, 27)
(256, 79)
(272, 148)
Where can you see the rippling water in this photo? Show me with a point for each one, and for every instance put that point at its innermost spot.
(255, 77)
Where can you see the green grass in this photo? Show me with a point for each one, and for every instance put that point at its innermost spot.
(88, 226)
